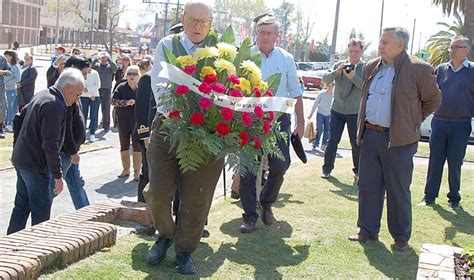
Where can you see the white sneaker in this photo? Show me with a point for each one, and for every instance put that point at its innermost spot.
(91, 138)
(323, 147)
(9, 128)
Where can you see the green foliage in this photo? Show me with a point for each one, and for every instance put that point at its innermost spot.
(274, 82)
(211, 39)
(438, 43)
(228, 36)
(468, 255)
(243, 54)
(178, 48)
(256, 57)
(169, 56)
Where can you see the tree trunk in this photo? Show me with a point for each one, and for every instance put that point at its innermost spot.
(468, 29)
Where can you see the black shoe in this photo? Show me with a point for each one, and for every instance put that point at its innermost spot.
(325, 175)
(185, 264)
(425, 202)
(157, 252)
(400, 246)
(205, 233)
(247, 227)
(234, 195)
(455, 206)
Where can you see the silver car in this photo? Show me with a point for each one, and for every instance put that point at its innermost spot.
(425, 130)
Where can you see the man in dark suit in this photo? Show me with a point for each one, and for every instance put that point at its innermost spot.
(26, 86)
(37, 147)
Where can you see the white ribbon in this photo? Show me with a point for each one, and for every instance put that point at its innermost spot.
(242, 104)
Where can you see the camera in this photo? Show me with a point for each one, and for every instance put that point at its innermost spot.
(349, 67)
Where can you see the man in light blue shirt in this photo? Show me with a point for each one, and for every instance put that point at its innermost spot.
(274, 60)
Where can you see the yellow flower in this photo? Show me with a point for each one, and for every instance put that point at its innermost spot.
(226, 50)
(224, 65)
(251, 71)
(206, 52)
(186, 60)
(260, 84)
(244, 86)
(206, 70)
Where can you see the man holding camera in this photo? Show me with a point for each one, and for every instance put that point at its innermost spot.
(347, 76)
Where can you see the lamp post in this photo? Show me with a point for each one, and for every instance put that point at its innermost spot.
(334, 34)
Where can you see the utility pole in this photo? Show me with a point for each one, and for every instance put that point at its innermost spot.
(57, 23)
(381, 19)
(92, 24)
(413, 36)
(334, 34)
(167, 3)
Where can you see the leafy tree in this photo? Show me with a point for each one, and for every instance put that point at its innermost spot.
(283, 15)
(438, 43)
(465, 7)
(304, 28)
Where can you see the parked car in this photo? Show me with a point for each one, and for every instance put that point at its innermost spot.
(305, 66)
(312, 79)
(122, 48)
(425, 130)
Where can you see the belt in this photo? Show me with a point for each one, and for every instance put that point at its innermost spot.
(375, 127)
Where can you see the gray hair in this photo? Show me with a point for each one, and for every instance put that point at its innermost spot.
(401, 34)
(463, 39)
(191, 3)
(268, 20)
(70, 76)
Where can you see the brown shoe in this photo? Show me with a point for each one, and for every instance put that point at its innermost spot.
(267, 216)
(362, 237)
(400, 246)
(247, 227)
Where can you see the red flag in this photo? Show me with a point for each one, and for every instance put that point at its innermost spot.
(313, 45)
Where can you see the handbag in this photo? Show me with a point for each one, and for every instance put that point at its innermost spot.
(309, 131)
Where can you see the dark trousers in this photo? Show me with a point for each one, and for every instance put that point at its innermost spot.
(87, 103)
(143, 180)
(196, 190)
(105, 107)
(125, 135)
(32, 196)
(336, 124)
(385, 169)
(448, 140)
(271, 188)
(322, 129)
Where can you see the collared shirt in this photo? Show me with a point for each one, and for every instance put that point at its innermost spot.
(465, 63)
(156, 81)
(280, 61)
(378, 107)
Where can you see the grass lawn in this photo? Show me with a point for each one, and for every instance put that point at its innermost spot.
(315, 216)
(423, 149)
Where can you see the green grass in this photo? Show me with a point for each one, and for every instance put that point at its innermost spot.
(423, 149)
(315, 216)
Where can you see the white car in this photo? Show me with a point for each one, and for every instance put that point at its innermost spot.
(425, 130)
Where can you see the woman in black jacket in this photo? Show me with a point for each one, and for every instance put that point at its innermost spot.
(124, 102)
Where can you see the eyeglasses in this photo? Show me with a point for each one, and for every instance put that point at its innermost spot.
(132, 74)
(195, 21)
(452, 48)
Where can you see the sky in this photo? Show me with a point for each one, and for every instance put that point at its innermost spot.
(362, 15)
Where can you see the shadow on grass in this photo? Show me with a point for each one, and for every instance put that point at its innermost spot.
(349, 192)
(392, 264)
(164, 270)
(461, 221)
(264, 250)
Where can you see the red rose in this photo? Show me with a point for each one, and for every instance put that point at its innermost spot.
(268, 93)
(190, 69)
(227, 114)
(222, 129)
(266, 127)
(247, 118)
(205, 88)
(243, 138)
(182, 90)
(210, 78)
(257, 92)
(205, 103)
(219, 88)
(257, 143)
(258, 111)
(233, 79)
(271, 116)
(197, 118)
(236, 93)
(174, 114)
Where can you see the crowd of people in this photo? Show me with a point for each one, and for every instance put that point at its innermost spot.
(383, 102)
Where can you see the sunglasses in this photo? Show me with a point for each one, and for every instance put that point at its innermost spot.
(195, 21)
(132, 74)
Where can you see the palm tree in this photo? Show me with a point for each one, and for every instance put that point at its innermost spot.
(438, 43)
(465, 7)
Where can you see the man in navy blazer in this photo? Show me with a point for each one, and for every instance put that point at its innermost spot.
(26, 86)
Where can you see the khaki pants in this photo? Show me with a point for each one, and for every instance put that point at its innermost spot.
(196, 191)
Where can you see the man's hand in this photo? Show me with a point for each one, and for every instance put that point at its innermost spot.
(18, 85)
(146, 141)
(341, 68)
(92, 98)
(131, 102)
(75, 158)
(58, 186)
(350, 75)
(299, 129)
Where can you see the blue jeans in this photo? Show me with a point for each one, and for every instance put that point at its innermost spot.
(32, 196)
(337, 123)
(94, 109)
(322, 128)
(448, 141)
(74, 181)
(12, 105)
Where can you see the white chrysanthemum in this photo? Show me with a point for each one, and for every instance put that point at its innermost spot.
(222, 64)
(251, 70)
(206, 52)
(226, 50)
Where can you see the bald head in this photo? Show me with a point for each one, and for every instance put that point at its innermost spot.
(196, 20)
(191, 6)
